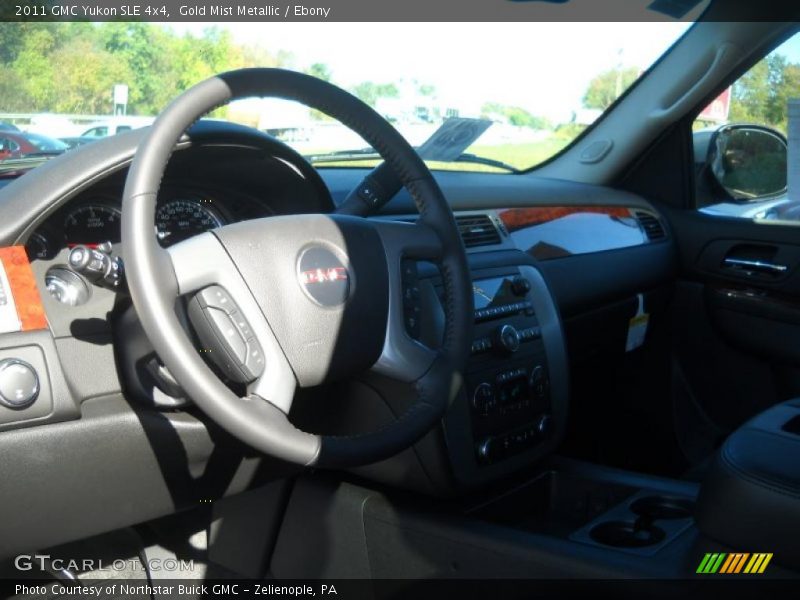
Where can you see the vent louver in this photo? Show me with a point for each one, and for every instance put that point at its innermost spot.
(651, 226)
(477, 230)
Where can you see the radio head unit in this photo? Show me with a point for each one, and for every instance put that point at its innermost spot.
(497, 297)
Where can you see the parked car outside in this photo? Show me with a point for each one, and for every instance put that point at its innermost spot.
(15, 144)
(101, 129)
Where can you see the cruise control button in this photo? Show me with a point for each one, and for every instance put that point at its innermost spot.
(217, 297)
(254, 362)
(242, 325)
(230, 333)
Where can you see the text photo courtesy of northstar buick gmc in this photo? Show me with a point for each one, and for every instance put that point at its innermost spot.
(418, 325)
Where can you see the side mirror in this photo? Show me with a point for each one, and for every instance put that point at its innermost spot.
(747, 162)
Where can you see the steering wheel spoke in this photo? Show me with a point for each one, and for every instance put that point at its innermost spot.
(403, 357)
(408, 240)
(201, 263)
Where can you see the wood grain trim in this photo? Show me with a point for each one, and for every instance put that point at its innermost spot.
(24, 290)
(519, 218)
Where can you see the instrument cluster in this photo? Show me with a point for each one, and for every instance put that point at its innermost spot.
(95, 220)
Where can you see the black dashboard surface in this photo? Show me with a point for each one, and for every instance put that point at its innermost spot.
(215, 184)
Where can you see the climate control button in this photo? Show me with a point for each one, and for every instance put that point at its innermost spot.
(485, 450)
(538, 382)
(483, 399)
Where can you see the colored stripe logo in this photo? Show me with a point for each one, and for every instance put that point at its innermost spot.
(734, 563)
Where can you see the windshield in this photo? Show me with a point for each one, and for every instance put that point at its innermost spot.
(502, 96)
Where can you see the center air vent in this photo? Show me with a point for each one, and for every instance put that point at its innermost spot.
(477, 230)
(651, 226)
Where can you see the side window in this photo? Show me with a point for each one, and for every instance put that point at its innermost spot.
(97, 132)
(741, 142)
(8, 145)
(121, 128)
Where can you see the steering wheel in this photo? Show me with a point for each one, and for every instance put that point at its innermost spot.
(320, 294)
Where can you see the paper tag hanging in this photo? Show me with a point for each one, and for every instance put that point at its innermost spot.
(637, 327)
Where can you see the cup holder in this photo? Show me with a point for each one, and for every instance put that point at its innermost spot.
(662, 507)
(641, 525)
(627, 534)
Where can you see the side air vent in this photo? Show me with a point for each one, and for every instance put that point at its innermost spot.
(477, 230)
(651, 226)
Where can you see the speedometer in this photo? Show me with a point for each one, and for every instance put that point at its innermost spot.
(92, 225)
(178, 220)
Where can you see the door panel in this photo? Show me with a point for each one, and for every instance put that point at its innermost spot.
(736, 317)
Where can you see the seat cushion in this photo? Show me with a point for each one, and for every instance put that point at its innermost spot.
(750, 498)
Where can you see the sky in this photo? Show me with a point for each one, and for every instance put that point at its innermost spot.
(542, 67)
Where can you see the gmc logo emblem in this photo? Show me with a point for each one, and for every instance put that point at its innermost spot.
(323, 275)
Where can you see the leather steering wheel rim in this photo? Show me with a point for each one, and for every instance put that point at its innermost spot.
(155, 278)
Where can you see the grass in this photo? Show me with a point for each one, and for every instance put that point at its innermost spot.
(521, 156)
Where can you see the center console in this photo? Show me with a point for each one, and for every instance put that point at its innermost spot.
(514, 402)
(508, 381)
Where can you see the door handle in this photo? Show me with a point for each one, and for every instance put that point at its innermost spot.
(755, 265)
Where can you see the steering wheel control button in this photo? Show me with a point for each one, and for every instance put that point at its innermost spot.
(225, 335)
(230, 336)
(411, 297)
(323, 276)
(216, 296)
(370, 193)
(254, 361)
(19, 383)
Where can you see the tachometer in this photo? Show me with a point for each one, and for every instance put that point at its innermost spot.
(92, 225)
(178, 220)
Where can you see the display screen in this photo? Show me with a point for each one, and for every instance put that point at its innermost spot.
(492, 292)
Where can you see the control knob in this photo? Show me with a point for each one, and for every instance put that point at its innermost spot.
(483, 399)
(19, 383)
(520, 286)
(485, 450)
(543, 425)
(506, 339)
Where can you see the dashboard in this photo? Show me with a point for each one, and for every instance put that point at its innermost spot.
(515, 399)
(581, 248)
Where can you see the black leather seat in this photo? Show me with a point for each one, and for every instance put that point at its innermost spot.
(750, 498)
